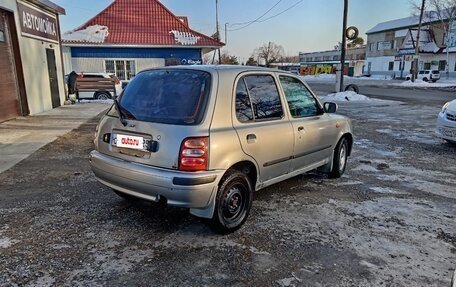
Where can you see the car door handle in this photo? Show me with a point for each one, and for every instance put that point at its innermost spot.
(300, 129)
(251, 138)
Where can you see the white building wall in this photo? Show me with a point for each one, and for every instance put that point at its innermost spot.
(67, 64)
(379, 65)
(35, 67)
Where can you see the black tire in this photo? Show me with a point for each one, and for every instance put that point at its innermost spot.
(425, 79)
(233, 202)
(352, 87)
(407, 79)
(103, 96)
(126, 196)
(434, 81)
(339, 159)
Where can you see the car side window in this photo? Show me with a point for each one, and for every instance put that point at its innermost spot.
(300, 101)
(244, 111)
(264, 97)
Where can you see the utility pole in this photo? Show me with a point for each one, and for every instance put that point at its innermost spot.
(218, 29)
(417, 46)
(343, 46)
(226, 33)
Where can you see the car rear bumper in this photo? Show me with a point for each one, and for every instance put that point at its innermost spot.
(182, 189)
(446, 128)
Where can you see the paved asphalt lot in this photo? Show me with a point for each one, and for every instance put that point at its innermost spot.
(390, 221)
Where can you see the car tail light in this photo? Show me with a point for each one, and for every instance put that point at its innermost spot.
(194, 154)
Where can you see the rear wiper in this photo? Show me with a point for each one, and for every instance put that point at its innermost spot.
(121, 114)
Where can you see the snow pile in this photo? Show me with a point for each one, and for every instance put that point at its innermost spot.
(91, 34)
(375, 77)
(325, 77)
(184, 38)
(423, 84)
(109, 101)
(346, 96)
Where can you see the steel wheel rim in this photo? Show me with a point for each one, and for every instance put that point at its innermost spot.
(234, 203)
(102, 97)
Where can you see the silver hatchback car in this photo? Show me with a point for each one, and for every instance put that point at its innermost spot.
(206, 137)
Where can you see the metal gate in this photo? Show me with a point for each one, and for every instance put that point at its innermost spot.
(9, 92)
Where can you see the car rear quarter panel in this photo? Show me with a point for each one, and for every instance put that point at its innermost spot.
(225, 148)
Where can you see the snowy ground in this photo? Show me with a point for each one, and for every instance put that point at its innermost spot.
(389, 221)
(381, 81)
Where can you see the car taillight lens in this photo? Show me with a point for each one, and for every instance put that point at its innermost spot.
(194, 154)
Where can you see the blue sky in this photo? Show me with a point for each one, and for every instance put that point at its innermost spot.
(312, 25)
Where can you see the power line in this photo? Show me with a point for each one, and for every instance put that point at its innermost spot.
(269, 18)
(264, 14)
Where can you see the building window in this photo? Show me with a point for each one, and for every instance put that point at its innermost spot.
(379, 46)
(442, 65)
(327, 58)
(125, 70)
(317, 59)
(391, 66)
(427, 66)
(310, 59)
(371, 47)
(336, 58)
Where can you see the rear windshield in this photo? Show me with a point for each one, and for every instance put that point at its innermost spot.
(435, 72)
(167, 96)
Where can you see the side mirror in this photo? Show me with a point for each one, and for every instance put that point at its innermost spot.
(330, 108)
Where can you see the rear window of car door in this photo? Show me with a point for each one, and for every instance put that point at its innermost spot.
(258, 99)
(300, 101)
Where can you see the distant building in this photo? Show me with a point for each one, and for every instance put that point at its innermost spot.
(326, 62)
(391, 46)
(30, 58)
(130, 36)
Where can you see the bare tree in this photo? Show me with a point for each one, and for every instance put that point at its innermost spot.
(355, 43)
(270, 53)
(444, 12)
(228, 59)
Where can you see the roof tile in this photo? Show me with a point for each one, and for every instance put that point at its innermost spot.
(142, 22)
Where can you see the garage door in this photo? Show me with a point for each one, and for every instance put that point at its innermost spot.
(9, 103)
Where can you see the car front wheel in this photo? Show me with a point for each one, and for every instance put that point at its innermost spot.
(425, 79)
(233, 202)
(339, 159)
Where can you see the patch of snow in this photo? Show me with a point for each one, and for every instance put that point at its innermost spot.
(331, 77)
(423, 84)
(346, 96)
(6, 242)
(109, 101)
(184, 38)
(91, 34)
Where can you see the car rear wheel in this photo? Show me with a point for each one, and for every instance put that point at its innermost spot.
(233, 202)
(102, 96)
(339, 159)
(407, 79)
(434, 81)
(425, 79)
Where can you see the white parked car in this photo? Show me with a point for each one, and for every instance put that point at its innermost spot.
(446, 122)
(426, 75)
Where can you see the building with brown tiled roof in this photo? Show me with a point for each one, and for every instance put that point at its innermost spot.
(132, 35)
